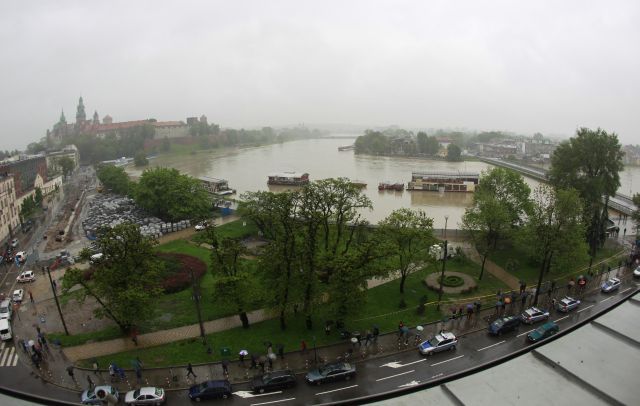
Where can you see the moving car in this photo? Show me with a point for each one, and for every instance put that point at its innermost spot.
(534, 315)
(546, 330)
(210, 390)
(26, 276)
(201, 226)
(331, 372)
(17, 296)
(504, 325)
(610, 285)
(273, 381)
(94, 396)
(441, 342)
(567, 304)
(148, 395)
(6, 309)
(21, 256)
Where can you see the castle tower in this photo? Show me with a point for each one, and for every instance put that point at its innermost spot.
(96, 119)
(63, 119)
(81, 116)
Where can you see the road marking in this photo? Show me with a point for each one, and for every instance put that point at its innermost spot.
(450, 359)
(492, 345)
(588, 307)
(335, 390)
(561, 318)
(247, 394)
(15, 360)
(437, 375)
(396, 364)
(604, 300)
(527, 332)
(274, 401)
(409, 384)
(4, 356)
(393, 376)
(626, 290)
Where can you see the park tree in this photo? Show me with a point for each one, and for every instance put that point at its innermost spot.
(347, 287)
(37, 197)
(114, 178)
(232, 282)
(453, 152)
(127, 280)
(408, 234)
(554, 232)
(172, 196)
(500, 204)
(432, 146)
(421, 140)
(591, 163)
(66, 164)
(140, 159)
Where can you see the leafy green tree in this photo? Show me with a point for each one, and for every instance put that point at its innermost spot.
(140, 159)
(172, 196)
(421, 140)
(453, 152)
(432, 146)
(409, 234)
(347, 287)
(37, 197)
(591, 163)
(28, 208)
(554, 232)
(232, 282)
(66, 164)
(500, 204)
(126, 282)
(114, 178)
(373, 142)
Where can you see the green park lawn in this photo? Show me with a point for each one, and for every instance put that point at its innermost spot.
(380, 307)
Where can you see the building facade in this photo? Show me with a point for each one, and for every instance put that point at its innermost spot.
(24, 172)
(9, 211)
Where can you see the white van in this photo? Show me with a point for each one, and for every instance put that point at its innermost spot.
(6, 309)
(5, 330)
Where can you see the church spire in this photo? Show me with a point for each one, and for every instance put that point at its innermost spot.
(96, 119)
(80, 114)
(63, 119)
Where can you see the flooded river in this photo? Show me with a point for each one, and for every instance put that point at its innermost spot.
(246, 169)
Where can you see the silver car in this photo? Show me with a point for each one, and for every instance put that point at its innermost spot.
(441, 342)
(534, 315)
(567, 304)
(145, 396)
(610, 285)
(96, 395)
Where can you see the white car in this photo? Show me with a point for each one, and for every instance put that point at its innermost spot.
(611, 285)
(14, 242)
(17, 296)
(26, 276)
(21, 256)
(636, 272)
(145, 396)
(201, 226)
(441, 342)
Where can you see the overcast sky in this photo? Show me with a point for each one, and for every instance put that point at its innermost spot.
(549, 66)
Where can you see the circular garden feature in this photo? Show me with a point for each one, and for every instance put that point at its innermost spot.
(454, 282)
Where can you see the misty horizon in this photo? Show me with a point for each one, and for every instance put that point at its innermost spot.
(497, 66)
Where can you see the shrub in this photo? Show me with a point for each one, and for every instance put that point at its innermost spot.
(178, 269)
(452, 281)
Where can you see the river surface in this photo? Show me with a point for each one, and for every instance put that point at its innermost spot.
(246, 169)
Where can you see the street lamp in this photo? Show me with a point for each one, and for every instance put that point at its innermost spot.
(436, 251)
(196, 298)
(315, 350)
(446, 219)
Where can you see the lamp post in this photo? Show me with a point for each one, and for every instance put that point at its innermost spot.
(196, 298)
(446, 219)
(444, 263)
(315, 350)
(55, 296)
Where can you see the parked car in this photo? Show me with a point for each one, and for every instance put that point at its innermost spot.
(201, 226)
(441, 342)
(21, 256)
(148, 395)
(636, 272)
(6, 309)
(95, 258)
(26, 276)
(567, 304)
(14, 242)
(210, 390)
(331, 372)
(504, 325)
(544, 331)
(534, 315)
(17, 296)
(96, 395)
(273, 381)
(610, 285)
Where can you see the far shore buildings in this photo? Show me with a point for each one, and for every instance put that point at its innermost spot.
(163, 129)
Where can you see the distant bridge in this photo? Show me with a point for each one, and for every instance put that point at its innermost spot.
(620, 203)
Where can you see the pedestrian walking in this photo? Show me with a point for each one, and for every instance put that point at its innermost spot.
(261, 362)
(241, 355)
(95, 366)
(134, 336)
(281, 351)
(254, 362)
(35, 359)
(139, 374)
(140, 363)
(90, 382)
(368, 338)
(270, 361)
(303, 346)
(70, 372)
(376, 333)
(225, 367)
(31, 296)
(112, 371)
(24, 346)
(190, 371)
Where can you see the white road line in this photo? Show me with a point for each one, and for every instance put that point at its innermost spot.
(15, 360)
(10, 357)
(561, 318)
(526, 332)
(335, 390)
(492, 345)
(588, 307)
(393, 376)
(4, 357)
(450, 359)
(414, 362)
(626, 290)
(275, 401)
(604, 300)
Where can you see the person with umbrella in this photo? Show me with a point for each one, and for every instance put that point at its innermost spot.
(241, 355)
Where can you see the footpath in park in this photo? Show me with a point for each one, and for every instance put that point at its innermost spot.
(492, 267)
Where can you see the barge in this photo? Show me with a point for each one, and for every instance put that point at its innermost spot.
(444, 181)
(216, 186)
(288, 179)
(398, 187)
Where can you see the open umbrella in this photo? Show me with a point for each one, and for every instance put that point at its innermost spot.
(244, 353)
(419, 328)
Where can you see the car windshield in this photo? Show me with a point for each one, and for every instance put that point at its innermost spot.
(434, 341)
(136, 393)
(498, 323)
(4, 309)
(159, 392)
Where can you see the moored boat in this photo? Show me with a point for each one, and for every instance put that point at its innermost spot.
(288, 178)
